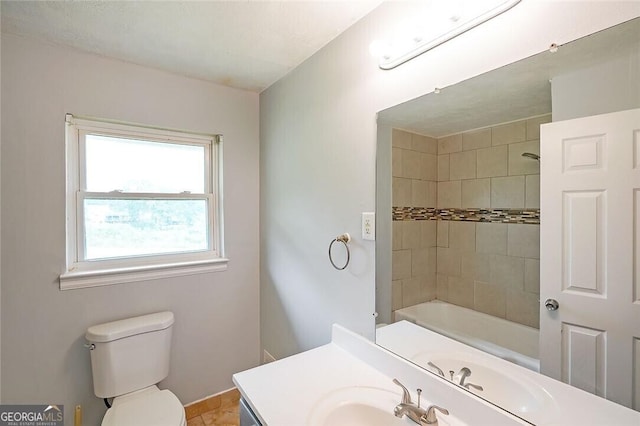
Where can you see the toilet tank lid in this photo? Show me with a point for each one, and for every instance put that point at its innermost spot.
(128, 327)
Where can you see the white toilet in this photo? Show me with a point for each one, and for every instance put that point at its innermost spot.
(128, 358)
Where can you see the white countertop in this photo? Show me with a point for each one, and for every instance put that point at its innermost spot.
(284, 392)
(280, 393)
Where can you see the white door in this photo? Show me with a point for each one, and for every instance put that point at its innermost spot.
(590, 254)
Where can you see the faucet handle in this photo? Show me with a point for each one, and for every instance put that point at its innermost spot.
(406, 396)
(430, 417)
(471, 385)
(435, 367)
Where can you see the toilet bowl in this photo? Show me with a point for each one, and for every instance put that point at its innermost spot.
(150, 406)
(128, 358)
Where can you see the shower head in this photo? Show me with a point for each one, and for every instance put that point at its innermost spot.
(531, 155)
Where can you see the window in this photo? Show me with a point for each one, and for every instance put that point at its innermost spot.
(141, 203)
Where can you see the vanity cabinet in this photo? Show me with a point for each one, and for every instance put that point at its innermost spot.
(247, 418)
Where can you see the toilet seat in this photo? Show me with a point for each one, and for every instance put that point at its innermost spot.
(147, 407)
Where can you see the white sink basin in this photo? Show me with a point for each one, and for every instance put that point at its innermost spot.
(514, 392)
(357, 406)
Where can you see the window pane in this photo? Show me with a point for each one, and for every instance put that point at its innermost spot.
(132, 165)
(119, 228)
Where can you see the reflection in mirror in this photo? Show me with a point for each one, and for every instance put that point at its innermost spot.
(460, 171)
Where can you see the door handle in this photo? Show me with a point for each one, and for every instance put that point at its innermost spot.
(551, 304)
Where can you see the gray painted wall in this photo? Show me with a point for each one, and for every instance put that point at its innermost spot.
(318, 154)
(608, 87)
(216, 331)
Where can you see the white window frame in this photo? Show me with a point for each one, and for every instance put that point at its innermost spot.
(82, 273)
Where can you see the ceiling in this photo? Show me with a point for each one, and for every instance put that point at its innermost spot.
(510, 93)
(247, 44)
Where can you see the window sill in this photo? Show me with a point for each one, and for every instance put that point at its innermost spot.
(82, 279)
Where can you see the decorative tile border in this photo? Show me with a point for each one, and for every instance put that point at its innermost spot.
(531, 216)
(414, 213)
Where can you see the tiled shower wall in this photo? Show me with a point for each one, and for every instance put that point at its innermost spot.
(489, 267)
(414, 173)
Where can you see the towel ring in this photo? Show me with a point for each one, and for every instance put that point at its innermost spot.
(344, 239)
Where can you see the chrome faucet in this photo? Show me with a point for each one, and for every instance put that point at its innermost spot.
(461, 377)
(415, 412)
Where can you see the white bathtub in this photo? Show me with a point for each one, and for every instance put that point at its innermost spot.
(505, 339)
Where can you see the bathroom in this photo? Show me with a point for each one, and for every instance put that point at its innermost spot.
(284, 200)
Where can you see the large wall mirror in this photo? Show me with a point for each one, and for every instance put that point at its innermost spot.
(479, 241)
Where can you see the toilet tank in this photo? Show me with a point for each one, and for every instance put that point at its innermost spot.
(130, 354)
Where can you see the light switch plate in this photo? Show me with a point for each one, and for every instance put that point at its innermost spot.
(369, 226)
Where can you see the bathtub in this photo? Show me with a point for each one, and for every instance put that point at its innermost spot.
(505, 339)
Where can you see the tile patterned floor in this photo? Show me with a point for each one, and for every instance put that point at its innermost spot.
(219, 410)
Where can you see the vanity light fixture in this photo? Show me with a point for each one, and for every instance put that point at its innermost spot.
(469, 14)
